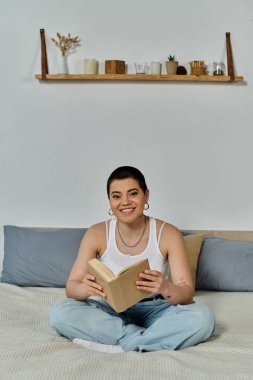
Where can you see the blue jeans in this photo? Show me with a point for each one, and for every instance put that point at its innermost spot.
(147, 326)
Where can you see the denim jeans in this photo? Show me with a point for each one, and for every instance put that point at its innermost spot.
(147, 326)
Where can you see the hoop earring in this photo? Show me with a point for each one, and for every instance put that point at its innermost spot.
(146, 207)
(110, 212)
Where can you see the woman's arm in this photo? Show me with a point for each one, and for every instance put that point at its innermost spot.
(81, 284)
(180, 289)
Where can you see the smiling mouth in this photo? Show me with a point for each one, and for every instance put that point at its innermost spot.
(127, 210)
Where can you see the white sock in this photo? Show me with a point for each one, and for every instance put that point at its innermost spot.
(109, 348)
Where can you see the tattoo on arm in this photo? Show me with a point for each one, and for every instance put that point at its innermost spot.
(184, 283)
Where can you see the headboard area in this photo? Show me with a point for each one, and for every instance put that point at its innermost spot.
(225, 234)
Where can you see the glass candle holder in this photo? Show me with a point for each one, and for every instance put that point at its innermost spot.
(218, 68)
(141, 67)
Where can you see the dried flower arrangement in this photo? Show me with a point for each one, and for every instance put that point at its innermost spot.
(65, 43)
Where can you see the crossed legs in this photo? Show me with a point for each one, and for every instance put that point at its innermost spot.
(147, 326)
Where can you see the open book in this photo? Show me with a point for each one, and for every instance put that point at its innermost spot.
(120, 290)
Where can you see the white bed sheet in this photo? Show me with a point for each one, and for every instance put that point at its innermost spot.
(29, 349)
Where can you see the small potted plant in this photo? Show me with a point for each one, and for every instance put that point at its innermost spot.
(171, 65)
(65, 45)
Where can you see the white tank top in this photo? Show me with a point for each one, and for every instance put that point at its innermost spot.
(116, 260)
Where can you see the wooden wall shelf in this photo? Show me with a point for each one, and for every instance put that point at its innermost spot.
(230, 78)
(142, 77)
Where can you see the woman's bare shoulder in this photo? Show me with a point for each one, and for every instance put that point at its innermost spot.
(167, 225)
(97, 226)
(168, 229)
(95, 237)
(97, 229)
(94, 231)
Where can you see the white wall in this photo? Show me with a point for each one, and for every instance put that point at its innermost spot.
(60, 141)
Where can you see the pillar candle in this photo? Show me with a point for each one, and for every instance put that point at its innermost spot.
(90, 66)
(155, 68)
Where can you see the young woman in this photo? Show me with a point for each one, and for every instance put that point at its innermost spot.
(167, 319)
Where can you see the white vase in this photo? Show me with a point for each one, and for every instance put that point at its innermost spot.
(63, 65)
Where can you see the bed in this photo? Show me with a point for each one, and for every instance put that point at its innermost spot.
(30, 349)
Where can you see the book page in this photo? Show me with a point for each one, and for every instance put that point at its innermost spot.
(142, 264)
(97, 268)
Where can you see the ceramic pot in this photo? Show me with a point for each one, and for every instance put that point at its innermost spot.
(171, 67)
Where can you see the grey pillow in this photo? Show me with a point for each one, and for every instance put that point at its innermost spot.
(225, 265)
(39, 256)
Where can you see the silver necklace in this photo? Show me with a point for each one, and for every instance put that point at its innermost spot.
(138, 241)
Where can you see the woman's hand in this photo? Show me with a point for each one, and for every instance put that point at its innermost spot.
(153, 281)
(81, 290)
(91, 286)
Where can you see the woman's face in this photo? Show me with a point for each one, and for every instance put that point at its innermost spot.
(127, 199)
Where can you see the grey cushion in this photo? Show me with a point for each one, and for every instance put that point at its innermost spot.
(39, 256)
(225, 265)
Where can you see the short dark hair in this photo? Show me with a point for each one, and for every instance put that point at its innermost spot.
(124, 172)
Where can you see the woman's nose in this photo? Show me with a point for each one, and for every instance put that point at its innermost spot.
(125, 200)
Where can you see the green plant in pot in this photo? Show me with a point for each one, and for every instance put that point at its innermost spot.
(171, 65)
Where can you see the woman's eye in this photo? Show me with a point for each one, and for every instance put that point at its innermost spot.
(115, 196)
(134, 193)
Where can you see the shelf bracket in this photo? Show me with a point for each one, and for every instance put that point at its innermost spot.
(44, 66)
(230, 63)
